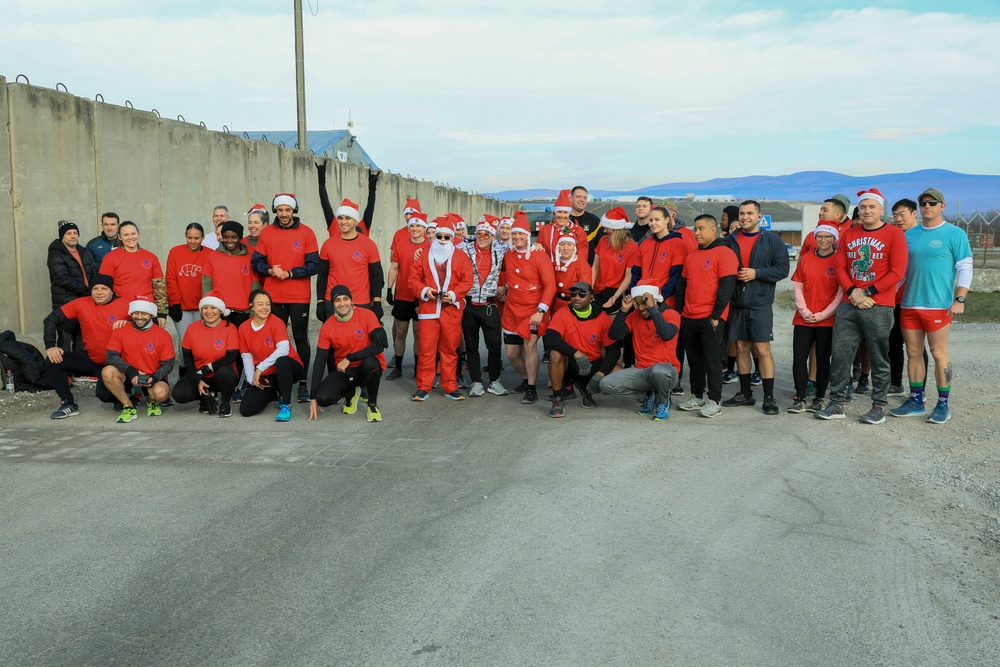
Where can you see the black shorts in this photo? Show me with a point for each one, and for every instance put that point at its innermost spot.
(404, 310)
(512, 339)
(601, 297)
(754, 325)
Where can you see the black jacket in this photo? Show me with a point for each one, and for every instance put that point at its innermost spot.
(769, 258)
(67, 281)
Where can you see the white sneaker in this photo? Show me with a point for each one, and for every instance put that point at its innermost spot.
(496, 388)
(477, 389)
(710, 409)
(692, 403)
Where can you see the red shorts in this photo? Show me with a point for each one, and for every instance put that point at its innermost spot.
(924, 320)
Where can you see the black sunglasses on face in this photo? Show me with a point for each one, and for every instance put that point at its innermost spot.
(443, 237)
(578, 292)
(929, 202)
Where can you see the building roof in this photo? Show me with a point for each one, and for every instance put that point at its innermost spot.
(321, 142)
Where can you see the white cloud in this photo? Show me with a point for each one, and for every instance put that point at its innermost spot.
(904, 134)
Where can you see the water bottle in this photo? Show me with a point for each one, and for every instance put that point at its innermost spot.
(10, 381)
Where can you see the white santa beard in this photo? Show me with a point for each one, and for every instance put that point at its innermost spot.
(442, 252)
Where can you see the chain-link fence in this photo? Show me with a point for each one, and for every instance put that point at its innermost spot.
(984, 236)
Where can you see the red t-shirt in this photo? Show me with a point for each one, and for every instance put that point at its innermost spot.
(484, 263)
(210, 344)
(287, 248)
(143, 350)
(658, 257)
(650, 349)
(576, 272)
(818, 276)
(587, 336)
(877, 257)
(702, 270)
(746, 242)
(184, 270)
(614, 263)
(133, 272)
(95, 323)
(401, 252)
(261, 344)
(232, 275)
(688, 236)
(346, 338)
(349, 262)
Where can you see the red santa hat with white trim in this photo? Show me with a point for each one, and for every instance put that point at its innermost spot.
(142, 304)
(214, 299)
(872, 193)
(616, 218)
(412, 206)
(647, 287)
(284, 199)
(521, 223)
(257, 208)
(564, 202)
(418, 218)
(350, 209)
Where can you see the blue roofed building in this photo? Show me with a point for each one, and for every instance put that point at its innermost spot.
(335, 144)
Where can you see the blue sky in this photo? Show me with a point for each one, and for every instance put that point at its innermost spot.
(501, 94)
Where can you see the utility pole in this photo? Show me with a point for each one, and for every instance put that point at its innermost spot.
(300, 77)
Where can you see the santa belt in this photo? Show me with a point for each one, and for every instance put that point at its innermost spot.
(488, 301)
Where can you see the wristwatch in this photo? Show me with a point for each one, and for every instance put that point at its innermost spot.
(960, 299)
(541, 310)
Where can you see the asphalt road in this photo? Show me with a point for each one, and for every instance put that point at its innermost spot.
(485, 533)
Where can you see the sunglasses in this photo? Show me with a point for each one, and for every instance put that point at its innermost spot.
(443, 237)
(929, 202)
(578, 292)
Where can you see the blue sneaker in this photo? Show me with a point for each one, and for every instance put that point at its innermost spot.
(911, 408)
(662, 412)
(647, 404)
(940, 415)
(284, 413)
(755, 380)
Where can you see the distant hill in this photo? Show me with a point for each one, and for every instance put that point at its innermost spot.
(975, 192)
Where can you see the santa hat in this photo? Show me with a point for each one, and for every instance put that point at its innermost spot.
(454, 220)
(506, 220)
(436, 221)
(350, 209)
(616, 218)
(566, 238)
(487, 224)
(214, 299)
(521, 223)
(564, 202)
(142, 304)
(259, 208)
(284, 199)
(412, 206)
(445, 226)
(827, 229)
(418, 218)
(872, 193)
(647, 287)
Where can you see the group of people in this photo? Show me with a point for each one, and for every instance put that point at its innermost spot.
(616, 304)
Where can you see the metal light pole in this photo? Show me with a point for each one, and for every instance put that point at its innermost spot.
(300, 78)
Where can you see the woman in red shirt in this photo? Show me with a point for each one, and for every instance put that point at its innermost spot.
(270, 365)
(136, 271)
(184, 269)
(210, 348)
(615, 255)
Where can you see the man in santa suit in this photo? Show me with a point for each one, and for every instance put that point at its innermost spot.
(561, 225)
(569, 269)
(441, 278)
(528, 286)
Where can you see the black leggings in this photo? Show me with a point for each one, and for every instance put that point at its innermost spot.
(298, 313)
(224, 382)
(288, 373)
(802, 341)
(338, 385)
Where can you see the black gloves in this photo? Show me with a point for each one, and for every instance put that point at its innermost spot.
(389, 298)
(377, 309)
(175, 312)
(321, 314)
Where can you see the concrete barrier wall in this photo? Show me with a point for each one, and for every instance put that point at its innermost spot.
(66, 157)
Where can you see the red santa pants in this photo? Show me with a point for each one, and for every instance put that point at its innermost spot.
(439, 337)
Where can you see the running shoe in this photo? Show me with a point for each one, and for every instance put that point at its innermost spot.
(678, 390)
(587, 399)
(237, 397)
(394, 373)
(530, 396)
(558, 410)
(153, 408)
(710, 409)
(755, 380)
(521, 388)
(364, 395)
(940, 415)
(864, 385)
(351, 402)
(831, 411)
(127, 415)
(496, 388)
(225, 410)
(203, 406)
(797, 407)
(770, 406)
(874, 416)
(647, 404)
(303, 394)
(729, 377)
(455, 395)
(815, 405)
(476, 389)
(462, 382)
(661, 412)
(896, 390)
(739, 400)
(373, 413)
(284, 413)
(692, 404)
(66, 410)
(420, 395)
(167, 403)
(545, 357)
(437, 382)
(810, 389)
(912, 408)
